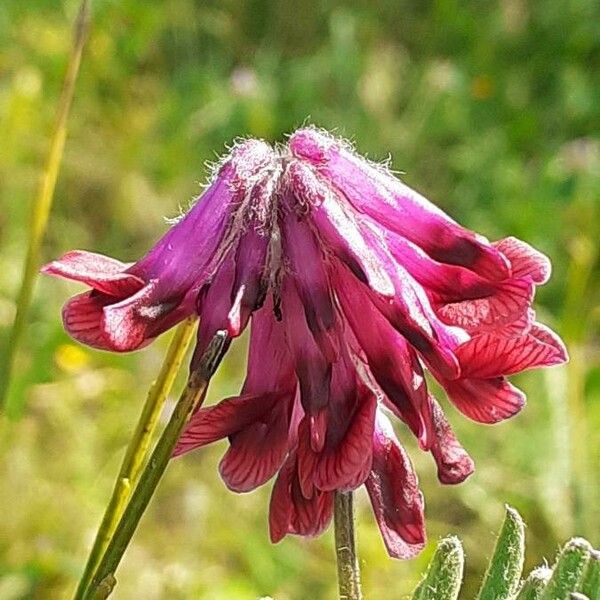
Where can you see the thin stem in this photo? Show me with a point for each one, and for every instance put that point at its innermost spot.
(192, 397)
(345, 547)
(137, 449)
(41, 207)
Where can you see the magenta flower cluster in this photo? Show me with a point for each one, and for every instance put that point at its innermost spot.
(354, 285)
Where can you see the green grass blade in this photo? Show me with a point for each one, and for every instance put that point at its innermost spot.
(103, 581)
(504, 572)
(535, 584)
(137, 450)
(41, 210)
(568, 570)
(444, 574)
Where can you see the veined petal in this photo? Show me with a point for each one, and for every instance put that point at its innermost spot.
(258, 450)
(346, 465)
(291, 512)
(83, 319)
(508, 303)
(394, 492)
(488, 355)
(100, 272)
(126, 323)
(225, 418)
(485, 400)
(525, 260)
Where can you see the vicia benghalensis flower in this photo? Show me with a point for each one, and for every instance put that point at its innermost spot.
(354, 284)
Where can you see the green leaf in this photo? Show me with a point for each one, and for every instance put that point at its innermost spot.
(591, 579)
(504, 572)
(568, 571)
(535, 584)
(444, 574)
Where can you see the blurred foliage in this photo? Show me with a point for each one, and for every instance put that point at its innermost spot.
(489, 108)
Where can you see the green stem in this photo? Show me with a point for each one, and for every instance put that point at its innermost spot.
(138, 448)
(345, 547)
(192, 397)
(41, 208)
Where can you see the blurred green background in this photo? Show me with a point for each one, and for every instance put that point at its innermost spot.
(492, 109)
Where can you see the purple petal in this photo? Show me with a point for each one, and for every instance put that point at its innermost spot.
(312, 368)
(375, 192)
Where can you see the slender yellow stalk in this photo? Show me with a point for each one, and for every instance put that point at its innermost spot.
(137, 449)
(42, 205)
(103, 581)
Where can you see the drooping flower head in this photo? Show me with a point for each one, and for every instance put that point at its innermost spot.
(355, 285)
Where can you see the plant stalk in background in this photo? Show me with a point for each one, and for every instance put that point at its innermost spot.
(137, 449)
(345, 547)
(103, 581)
(41, 209)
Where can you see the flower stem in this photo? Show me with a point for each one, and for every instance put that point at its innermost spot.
(41, 208)
(137, 449)
(192, 397)
(345, 547)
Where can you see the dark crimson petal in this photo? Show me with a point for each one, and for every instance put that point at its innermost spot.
(270, 366)
(394, 492)
(347, 464)
(306, 459)
(291, 512)
(280, 506)
(226, 418)
(374, 191)
(310, 516)
(312, 368)
(249, 286)
(525, 260)
(453, 462)
(307, 267)
(488, 355)
(100, 272)
(258, 450)
(390, 360)
(485, 400)
(510, 302)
